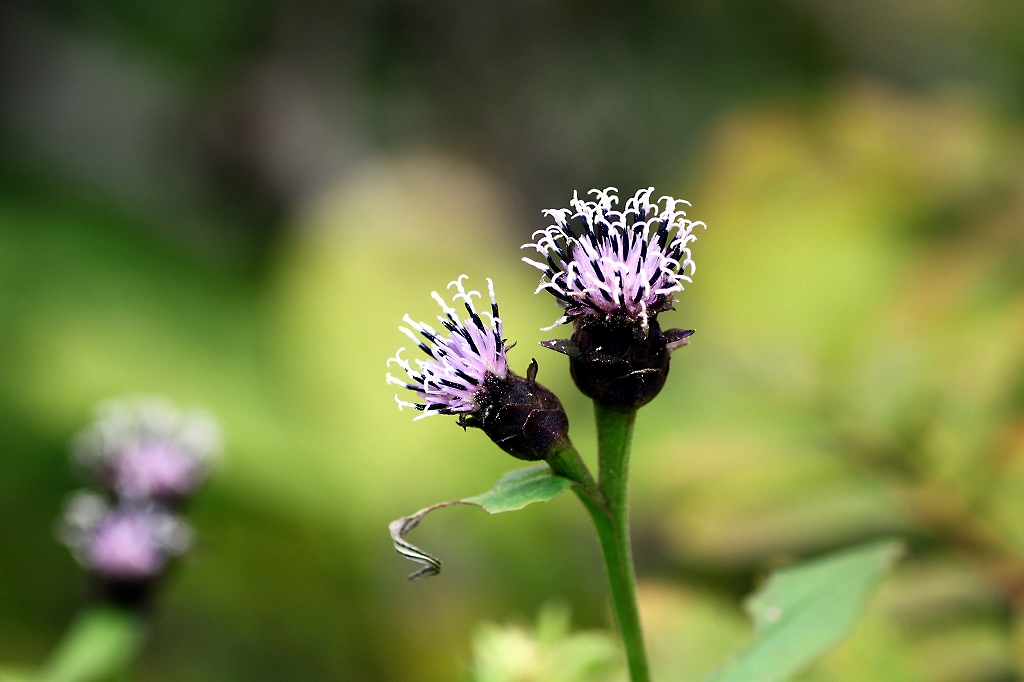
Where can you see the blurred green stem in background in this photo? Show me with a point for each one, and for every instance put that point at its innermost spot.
(100, 645)
(614, 440)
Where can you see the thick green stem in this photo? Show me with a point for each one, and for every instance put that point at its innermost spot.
(614, 438)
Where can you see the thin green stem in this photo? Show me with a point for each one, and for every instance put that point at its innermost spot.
(614, 439)
(607, 503)
(567, 462)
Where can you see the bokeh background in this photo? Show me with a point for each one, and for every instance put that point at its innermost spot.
(232, 203)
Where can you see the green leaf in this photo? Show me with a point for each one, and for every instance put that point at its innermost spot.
(100, 644)
(804, 610)
(513, 491)
(521, 487)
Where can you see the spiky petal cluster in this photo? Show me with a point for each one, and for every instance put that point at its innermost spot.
(130, 542)
(145, 448)
(461, 361)
(628, 262)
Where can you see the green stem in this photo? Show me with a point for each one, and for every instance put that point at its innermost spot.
(567, 462)
(614, 438)
(607, 503)
(101, 643)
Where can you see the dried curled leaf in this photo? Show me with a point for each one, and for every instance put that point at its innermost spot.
(513, 491)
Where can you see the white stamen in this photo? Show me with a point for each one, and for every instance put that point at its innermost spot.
(558, 323)
(402, 404)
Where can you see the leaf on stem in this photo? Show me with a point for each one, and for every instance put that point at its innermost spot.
(805, 610)
(513, 491)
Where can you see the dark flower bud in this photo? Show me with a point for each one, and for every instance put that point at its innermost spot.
(522, 417)
(615, 363)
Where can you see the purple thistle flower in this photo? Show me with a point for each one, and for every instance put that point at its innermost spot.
(467, 374)
(461, 362)
(146, 448)
(129, 543)
(627, 263)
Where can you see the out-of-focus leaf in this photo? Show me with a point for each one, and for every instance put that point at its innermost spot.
(804, 610)
(99, 645)
(550, 652)
(688, 632)
(513, 491)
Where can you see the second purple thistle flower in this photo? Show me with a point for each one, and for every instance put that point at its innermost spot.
(466, 373)
(460, 363)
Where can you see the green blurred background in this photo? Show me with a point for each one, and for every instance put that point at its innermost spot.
(233, 203)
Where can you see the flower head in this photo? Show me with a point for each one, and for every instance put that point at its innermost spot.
(627, 263)
(146, 448)
(127, 543)
(461, 363)
(467, 374)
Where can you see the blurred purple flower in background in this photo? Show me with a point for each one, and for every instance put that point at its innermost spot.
(130, 542)
(146, 448)
(148, 457)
